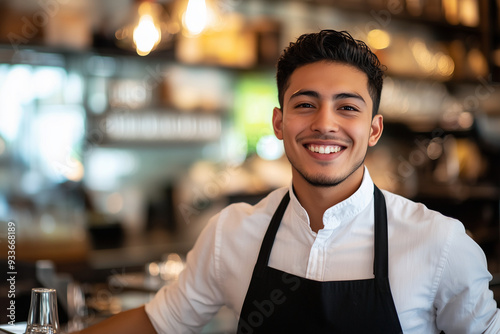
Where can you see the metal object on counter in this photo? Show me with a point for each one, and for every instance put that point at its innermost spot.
(156, 274)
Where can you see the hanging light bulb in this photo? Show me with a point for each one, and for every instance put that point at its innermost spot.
(196, 17)
(147, 33)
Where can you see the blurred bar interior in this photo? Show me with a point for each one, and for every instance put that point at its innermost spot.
(125, 125)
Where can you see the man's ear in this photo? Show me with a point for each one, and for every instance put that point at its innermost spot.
(376, 129)
(278, 122)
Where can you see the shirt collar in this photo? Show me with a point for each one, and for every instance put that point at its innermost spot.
(340, 212)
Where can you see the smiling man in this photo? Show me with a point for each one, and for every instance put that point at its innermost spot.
(331, 253)
(326, 125)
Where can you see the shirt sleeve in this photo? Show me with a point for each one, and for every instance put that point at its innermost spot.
(464, 303)
(188, 304)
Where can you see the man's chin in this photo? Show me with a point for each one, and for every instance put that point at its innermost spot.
(323, 181)
(327, 181)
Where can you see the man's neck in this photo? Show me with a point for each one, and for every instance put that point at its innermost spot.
(316, 200)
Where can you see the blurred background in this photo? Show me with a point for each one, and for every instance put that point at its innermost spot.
(125, 125)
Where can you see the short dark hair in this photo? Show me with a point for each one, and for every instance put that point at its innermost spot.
(331, 45)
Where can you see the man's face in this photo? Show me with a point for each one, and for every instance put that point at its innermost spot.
(326, 123)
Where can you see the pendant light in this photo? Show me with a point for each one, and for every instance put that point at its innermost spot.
(148, 28)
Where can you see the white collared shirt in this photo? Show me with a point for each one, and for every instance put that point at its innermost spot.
(438, 275)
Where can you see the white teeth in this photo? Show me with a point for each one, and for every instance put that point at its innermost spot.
(324, 149)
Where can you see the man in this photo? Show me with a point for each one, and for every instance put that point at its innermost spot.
(331, 253)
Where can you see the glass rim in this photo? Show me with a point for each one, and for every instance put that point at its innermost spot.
(43, 290)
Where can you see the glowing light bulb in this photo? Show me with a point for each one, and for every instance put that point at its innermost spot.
(146, 35)
(196, 16)
(379, 39)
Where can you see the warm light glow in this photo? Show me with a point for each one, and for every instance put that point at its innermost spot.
(150, 28)
(450, 8)
(154, 269)
(431, 62)
(469, 13)
(196, 17)
(379, 39)
(146, 35)
(171, 267)
(477, 62)
(465, 120)
(445, 65)
(423, 56)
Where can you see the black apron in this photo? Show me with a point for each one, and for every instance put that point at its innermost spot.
(279, 302)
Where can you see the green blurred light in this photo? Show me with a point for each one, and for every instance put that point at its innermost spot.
(255, 98)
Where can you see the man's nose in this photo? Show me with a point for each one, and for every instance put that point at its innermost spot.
(325, 120)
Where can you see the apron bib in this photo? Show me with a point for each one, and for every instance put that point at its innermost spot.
(279, 302)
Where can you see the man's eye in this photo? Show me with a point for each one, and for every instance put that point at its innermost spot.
(350, 108)
(304, 105)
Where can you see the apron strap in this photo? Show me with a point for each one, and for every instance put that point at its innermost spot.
(268, 241)
(381, 261)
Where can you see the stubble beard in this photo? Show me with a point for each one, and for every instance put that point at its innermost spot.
(324, 181)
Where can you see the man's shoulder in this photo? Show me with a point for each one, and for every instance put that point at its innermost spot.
(401, 210)
(414, 226)
(243, 214)
(268, 203)
(239, 228)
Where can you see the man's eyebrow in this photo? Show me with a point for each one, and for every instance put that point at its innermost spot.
(301, 92)
(342, 96)
(339, 96)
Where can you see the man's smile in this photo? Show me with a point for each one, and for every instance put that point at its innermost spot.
(324, 149)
